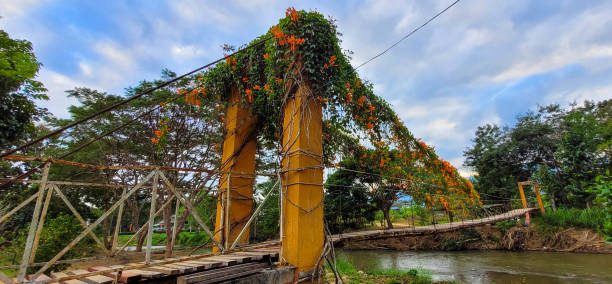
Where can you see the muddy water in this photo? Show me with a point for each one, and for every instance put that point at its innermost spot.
(491, 266)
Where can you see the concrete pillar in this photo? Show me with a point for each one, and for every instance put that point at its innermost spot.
(302, 179)
(238, 169)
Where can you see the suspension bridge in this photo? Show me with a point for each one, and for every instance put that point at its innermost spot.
(230, 261)
(304, 242)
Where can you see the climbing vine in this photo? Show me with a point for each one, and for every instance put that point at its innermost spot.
(303, 48)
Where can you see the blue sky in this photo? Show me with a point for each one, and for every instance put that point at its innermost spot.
(484, 61)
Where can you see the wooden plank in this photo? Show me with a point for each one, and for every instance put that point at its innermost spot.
(181, 268)
(165, 270)
(205, 264)
(222, 274)
(196, 266)
(254, 255)
(127, 276)
(213, 264)
(149, 274)
(62, 274)
(40, 279)
(225, 261)
(96, 279)
(240, 258)
(144, 273)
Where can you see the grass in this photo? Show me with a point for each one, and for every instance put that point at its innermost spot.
(159, 239)
(352, 275)
(580, 218)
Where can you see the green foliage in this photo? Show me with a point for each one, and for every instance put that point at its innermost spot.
(266, 226)
(505, 225)
(564, 150)
(191, 239)
(18, 89)
(593, 218)
(348, 206)
(603, 190)
(347, 269)
(57, 233)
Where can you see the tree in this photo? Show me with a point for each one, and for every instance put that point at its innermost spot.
(562, 149)
(18, 89)
(347, 203)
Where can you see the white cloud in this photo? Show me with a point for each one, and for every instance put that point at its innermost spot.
(553, 61)
(15, 8)
(57, 84)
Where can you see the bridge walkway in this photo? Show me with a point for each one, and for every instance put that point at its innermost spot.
(210, 268)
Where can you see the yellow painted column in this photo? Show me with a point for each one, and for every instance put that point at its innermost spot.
(537, 192)
(302, 182)
(524, 200)
(522, 192)
(238, 170)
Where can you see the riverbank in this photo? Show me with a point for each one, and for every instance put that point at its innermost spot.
(501, 236)
(351, 274)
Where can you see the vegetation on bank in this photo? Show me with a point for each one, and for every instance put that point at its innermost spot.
(184, 239)
(350, 274)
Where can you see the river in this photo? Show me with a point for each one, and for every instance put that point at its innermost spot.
(491, 266)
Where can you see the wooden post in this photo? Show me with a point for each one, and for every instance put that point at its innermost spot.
(78, 216)
(118, 225)
(537, 192)
(175, 226)
(91, 227)
(302, 176)
(239, 146)
(254, 215)
(152, 217)
(41, 223)
(21, 205)
(189, 207)
(228, 198)
(25, 259)
(145, 226)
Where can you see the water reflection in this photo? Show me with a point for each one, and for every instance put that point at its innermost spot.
(492, 266)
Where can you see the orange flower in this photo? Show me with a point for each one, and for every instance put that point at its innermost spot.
(293, 13)
(257, 87)
(244, 79)
(154, 140)
(349, 97)
(158, 133)
(250, 95)
(162, 104)
(278, 80)
(370, 126)
(266, 56)
(267, 87)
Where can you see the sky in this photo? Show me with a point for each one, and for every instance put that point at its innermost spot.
(483, 61)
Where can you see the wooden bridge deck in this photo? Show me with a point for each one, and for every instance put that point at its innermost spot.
(194, 269)
(430, 229)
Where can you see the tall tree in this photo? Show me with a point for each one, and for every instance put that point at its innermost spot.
(18, 89)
